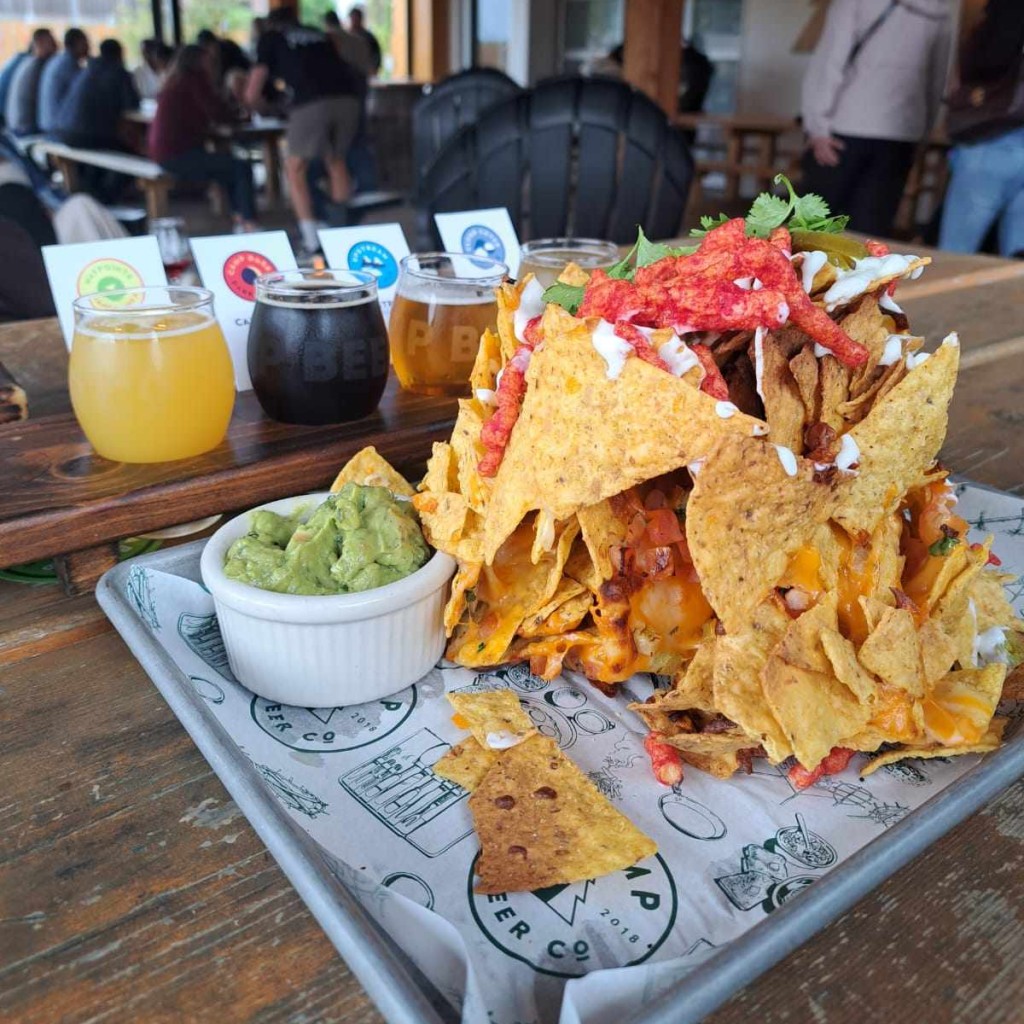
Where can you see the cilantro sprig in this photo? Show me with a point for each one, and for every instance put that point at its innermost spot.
(768, 212)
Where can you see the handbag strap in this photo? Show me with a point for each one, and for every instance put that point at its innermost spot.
(868, 33)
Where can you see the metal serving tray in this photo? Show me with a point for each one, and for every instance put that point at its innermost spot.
(401, 992)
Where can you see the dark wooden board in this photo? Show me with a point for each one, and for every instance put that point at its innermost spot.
(58, 496)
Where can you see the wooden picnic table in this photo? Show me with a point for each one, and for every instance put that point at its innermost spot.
(119, 900)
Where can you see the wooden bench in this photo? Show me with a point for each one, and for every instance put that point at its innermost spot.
(154, 181)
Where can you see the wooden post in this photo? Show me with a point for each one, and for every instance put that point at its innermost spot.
(400, 50)
(430, 40)
(654, 32)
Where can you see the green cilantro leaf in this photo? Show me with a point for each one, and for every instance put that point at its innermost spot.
(624, 268)
(707, 224)
(648, 252)
(766, 214)
(943, 546)
(568, 296)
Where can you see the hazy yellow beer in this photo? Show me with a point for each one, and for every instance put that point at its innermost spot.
(546, 258)
(444, 302)
(151, 379)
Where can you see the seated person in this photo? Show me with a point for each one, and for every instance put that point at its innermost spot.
(22, 110)
(59, 75)
(151, 74)
(188, 107)
(24, 228)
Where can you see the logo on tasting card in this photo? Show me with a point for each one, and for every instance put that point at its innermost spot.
(374, 258)
(330, 730)
(567, 931)
(109, 275)
(241, 270)
(480, 240)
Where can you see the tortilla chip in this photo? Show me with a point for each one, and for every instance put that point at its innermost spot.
(442, 470)
(371, 469)
(719, 766)
(804, 367)
(877, 284)
(892, 652)
(508, 294)
(834, 390)
(578, 438)
(746, 518)
(494, 717)
(899, 439)
(784, 408)
(693, 687)
(574, 274)
(468, 452)
(464, 580)
(564, 612)
(488, 362)
(709, 744)
(990, 741)
(443, 518)
(816, 711)
(842, 656)
(466, 763)
(738, 694)
(601, 529)
(541, 822)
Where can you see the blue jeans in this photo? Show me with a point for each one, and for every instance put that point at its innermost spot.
(235, 176)
(987, 185)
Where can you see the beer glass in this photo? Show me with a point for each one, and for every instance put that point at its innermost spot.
(318, 346)
(150, 374)
(546, 258)
(443, 303)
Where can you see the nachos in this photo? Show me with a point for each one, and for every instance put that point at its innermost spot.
(717, 463)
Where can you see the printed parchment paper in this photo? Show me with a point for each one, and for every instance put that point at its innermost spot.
(359, 780)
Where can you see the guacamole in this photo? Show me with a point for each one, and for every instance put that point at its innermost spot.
(358, 539)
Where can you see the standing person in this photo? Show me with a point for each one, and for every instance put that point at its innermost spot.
(186, 111)
(151, 74)
(357, 52)
(22, 111)
(870, 95)
(59, 75)
(353, 48)
(324, 110)
(357, 26)
(986, 122)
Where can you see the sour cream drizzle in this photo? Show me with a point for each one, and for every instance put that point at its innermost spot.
(857, 280)
(812, 262)
(611, 348)
(893, 351)
(787, 458)
(531, 304)
(725, 409)
(759, 359)
(679, 357)
(849, 453)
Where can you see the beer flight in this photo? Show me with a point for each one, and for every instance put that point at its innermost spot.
(150, 373)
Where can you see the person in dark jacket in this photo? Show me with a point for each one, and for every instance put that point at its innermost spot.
(90, 116)
(225, 53)
(21, 113)
(987, 183)
(186, 111)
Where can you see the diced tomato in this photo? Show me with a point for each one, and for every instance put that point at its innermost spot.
(656, 563)
(831, 764)
(663, 527)
(876, 248)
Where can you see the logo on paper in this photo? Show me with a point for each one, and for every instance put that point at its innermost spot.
(374, 258)
(569, 930)
(328, 730)
(241, 270)
(109, 275)
(480, 240)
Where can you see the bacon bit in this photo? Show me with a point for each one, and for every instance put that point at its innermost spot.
(831, 764)
(718, 724)
(641, 346)
(876, 248)
(820, 442)
(713, 383)
(532, 333)
(993, 558)
(746, 758)
(666, 761)
(497, 430)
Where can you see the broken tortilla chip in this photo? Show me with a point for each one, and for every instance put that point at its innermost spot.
(369, 468)
(541, 822)
(466, 763)
(494, 717)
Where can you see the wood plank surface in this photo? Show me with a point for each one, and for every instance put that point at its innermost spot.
(132, 890)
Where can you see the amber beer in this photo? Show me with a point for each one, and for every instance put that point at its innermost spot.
(444, 302)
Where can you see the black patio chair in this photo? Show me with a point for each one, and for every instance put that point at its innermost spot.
(450, 105)
(589, 157)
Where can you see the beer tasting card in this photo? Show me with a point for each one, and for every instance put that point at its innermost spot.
(481, 233)
(377, 249)
(229, 265)
(106, 266)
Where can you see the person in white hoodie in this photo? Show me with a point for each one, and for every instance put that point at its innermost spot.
(871, 94)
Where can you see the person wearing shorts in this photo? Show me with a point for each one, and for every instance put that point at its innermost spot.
(324, 109)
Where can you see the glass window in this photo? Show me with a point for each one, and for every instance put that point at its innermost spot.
(716, 28)
(493, 32)
(592, 29)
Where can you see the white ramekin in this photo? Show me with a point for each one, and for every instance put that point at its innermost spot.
(320, 652)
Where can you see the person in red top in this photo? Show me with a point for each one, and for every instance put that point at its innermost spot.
(186, 109)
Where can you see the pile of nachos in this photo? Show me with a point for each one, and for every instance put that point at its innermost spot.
(717, 464)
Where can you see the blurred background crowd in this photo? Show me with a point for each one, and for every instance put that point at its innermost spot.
(906, 114)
